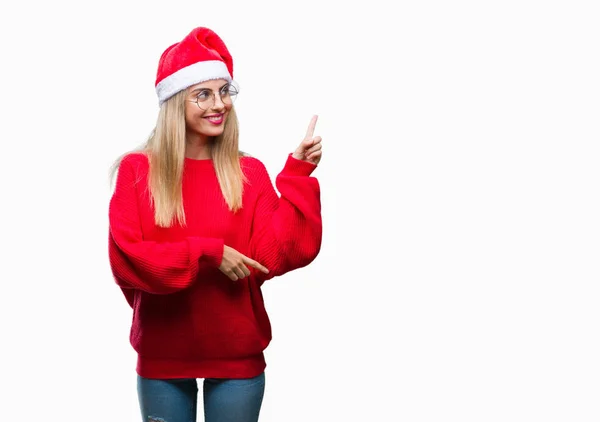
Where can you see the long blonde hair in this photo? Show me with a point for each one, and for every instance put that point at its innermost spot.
(165, 149)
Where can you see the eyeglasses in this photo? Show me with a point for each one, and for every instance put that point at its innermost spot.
(206, 98)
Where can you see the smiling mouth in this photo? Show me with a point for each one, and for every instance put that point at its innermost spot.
(215, 119)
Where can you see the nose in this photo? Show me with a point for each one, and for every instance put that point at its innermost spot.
(218, 103)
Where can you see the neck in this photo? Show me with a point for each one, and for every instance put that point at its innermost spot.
(198, 147)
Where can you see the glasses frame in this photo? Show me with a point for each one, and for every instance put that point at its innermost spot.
(214, 96)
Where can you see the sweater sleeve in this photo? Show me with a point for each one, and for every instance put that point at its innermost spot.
(287, 230)
(154, 267)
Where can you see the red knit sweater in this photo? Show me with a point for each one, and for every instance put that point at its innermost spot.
(189, 319)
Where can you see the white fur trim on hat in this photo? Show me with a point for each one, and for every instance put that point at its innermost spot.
(190, 75)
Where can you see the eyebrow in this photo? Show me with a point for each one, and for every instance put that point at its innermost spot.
(208, 89)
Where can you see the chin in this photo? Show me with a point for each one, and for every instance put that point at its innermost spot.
(212, 131)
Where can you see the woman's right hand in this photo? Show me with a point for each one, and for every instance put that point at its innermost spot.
(234, 264)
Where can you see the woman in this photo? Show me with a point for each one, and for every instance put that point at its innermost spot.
(196, 228)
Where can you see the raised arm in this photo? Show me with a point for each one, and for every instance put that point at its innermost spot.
(288, 228)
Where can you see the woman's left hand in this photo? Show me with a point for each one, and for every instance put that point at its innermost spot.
(310, 148)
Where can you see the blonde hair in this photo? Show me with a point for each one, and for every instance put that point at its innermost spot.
(165, 149)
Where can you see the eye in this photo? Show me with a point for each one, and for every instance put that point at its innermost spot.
(203, 95)
(228, 90)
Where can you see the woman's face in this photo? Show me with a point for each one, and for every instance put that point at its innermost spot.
(207, 107)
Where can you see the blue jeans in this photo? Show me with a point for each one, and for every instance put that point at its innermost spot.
(225, 400)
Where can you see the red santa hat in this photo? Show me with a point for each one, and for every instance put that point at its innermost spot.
(200, 56)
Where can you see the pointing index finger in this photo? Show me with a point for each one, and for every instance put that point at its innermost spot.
(311, 127)
(256, 265)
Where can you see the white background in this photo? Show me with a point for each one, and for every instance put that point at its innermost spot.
(458, 279)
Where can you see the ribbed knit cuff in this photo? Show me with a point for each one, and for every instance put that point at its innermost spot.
(294, 167)
(208, 249)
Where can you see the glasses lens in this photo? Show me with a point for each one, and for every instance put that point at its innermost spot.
(204, 100)
(229, 94)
